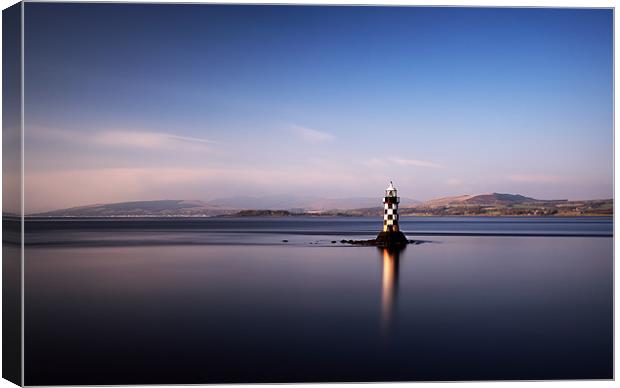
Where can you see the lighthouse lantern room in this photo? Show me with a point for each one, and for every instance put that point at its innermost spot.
(390, 209)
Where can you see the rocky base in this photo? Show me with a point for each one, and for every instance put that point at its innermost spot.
(391, 239)
(385, 240)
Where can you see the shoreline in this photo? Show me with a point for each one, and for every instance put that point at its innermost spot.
(234, 216)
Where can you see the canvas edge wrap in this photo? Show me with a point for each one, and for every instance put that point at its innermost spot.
(12, 194)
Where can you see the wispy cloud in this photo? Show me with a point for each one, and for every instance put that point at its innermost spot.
(537, 178)
(121, 138)
(143, 139)
(416, 163)
(379, 162)
(312, 135)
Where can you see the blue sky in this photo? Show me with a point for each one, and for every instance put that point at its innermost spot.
(132, 102)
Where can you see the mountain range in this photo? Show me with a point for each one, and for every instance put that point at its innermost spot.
(484, 199)
(217, 206)
(491, 204)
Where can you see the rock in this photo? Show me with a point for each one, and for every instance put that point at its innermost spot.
(391, 239)
(384, 240)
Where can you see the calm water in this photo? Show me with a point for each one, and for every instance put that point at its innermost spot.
(226, 300)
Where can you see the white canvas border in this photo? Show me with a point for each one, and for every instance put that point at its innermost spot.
(479, 3)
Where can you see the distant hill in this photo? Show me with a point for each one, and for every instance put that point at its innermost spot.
(482, 199)
(499, 199)
(494, 204)
(444, 201)
(497, 204)
(223, 206)
(161, 208)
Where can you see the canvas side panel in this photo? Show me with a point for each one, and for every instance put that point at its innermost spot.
(12, 194)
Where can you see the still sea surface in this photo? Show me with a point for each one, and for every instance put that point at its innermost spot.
(214, 300)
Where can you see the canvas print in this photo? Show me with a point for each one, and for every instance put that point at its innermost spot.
(202, 193)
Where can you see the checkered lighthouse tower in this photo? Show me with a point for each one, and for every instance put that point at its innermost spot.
(391, 236)
(390, 209)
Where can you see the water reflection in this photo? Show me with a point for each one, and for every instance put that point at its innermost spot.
(238, 313)
(389, 290)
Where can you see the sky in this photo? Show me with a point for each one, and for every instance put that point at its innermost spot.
(143, 102)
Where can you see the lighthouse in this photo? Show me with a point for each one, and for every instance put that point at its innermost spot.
(391, 236)
(390, 209)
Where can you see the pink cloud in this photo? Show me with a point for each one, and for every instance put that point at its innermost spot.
(312, 135)
(121, 138)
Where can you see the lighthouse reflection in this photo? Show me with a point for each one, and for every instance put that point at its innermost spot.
(389, 289)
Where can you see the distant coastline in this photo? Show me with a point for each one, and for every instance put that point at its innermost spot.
(488, 205)
(592, 210)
